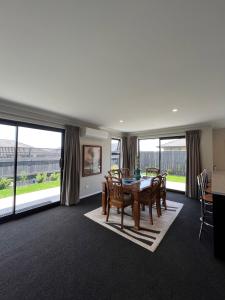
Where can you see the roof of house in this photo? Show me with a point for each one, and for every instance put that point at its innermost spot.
(11, 143)
(175, 143)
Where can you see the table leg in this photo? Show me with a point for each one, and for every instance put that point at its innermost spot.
(136, 210)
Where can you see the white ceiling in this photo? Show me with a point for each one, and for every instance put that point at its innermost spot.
(105, 60)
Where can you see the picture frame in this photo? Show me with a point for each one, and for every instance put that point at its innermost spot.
(92, 160)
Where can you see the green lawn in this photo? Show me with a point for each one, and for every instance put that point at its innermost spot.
(174, 178)
(29, 188)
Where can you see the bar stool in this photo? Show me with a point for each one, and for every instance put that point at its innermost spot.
(206, 204)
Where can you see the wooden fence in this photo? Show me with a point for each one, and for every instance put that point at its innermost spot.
(30, 161)
(172, 161)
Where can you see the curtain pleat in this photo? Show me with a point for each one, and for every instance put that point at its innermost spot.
(71, 168)
(193, 162)
(125, 158)
(132, 152)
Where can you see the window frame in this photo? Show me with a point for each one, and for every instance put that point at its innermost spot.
(115, 153)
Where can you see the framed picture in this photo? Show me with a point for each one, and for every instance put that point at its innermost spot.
(92, 160)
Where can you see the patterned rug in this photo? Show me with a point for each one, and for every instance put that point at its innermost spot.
(149, 236)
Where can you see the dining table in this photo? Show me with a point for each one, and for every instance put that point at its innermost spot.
(135, 187)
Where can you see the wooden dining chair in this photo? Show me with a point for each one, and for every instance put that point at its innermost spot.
(151, 196)
(117, 197)
(163, 189)
(115, 173)
(206, 204)
(152, 172)
(125, 172)
(120, 173)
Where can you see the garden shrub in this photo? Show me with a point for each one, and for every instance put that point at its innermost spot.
(54, 176)
(4, 183)
(23, 176)
(41, 177)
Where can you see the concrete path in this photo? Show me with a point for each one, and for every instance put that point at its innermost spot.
(28, 200)
(175, 186)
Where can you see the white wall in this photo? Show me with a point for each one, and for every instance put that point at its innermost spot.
(206, 148)
(92, 184)
(219, 149)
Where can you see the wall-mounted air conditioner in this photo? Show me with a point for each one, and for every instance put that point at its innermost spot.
(94, 133)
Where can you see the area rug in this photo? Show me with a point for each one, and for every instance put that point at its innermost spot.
(149, 236)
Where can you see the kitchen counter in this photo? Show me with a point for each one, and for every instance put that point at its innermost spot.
(218, 191)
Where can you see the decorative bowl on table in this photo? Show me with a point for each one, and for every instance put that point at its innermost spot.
(128, 180)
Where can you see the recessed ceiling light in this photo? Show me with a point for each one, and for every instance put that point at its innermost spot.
(121, 121)
(174, 110)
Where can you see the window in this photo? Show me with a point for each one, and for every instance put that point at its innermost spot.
(149, 153)
(115, 153)
(30, 172)
(166, 154)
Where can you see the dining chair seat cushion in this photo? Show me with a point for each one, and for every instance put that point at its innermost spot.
(208, 198)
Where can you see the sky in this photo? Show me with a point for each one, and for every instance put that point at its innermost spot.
(32, 137)
(149, 145)
(152, 144)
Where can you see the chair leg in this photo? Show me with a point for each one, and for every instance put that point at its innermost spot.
(118, 210)
(150, 213)
(200, 232)
(108, 210)
(158, 207)
(122, 212)
(164, 201)
(202, 218)
(142, 207)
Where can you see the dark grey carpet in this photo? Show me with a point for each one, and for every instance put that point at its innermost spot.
(60, 254)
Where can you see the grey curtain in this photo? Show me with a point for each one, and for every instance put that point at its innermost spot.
(193, 162)
(71, 168)
(132, 152)
(125, 158)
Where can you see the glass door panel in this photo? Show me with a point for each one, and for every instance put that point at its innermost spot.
(173, 160)
(115, 154)
(149, 154)
(7, 168)
(38, 168)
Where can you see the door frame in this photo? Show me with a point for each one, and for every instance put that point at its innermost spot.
(163, 138)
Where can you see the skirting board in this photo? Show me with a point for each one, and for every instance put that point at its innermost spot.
(82, 197)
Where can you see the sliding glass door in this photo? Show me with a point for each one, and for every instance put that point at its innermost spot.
(30, 172)
(166, 154)
(7, 168)
(149, 154)
(38, 168)
(173, 160)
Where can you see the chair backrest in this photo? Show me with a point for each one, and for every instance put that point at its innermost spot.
(205, 178)
(115, 173)
(114, 188)
(152, 172)
(120, 173)
(156, 183)
(125, 172)
(201, 188)
(164, 175)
